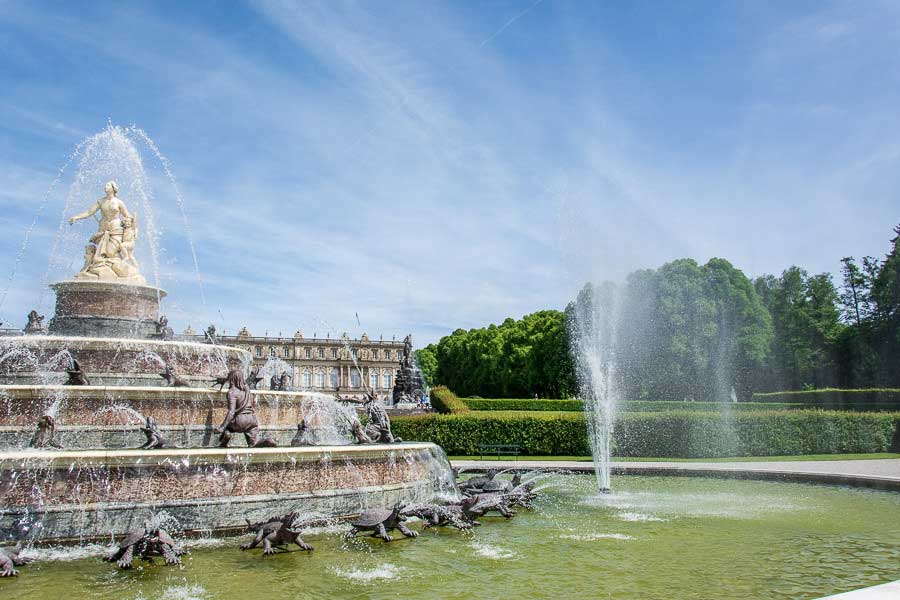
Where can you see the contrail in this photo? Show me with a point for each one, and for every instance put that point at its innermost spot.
(510, 22)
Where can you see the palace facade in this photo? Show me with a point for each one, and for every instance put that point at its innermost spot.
(324, 364)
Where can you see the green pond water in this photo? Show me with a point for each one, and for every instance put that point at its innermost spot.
(653, 537)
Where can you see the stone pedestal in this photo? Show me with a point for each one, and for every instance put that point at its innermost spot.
(105, 309)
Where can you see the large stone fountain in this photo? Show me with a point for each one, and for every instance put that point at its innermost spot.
(94, 480)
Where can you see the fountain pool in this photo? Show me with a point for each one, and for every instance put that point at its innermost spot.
(652, 537)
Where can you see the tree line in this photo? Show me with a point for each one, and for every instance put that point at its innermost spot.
(687, 331)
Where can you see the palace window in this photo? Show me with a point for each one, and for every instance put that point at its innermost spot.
(334, 353)
(321, 352)
(320, 379)
(272, 351)
(287, 352)
(387, 355)
(354, 379)
(374, 354)
(373, 380)
(307, 379)
(258, 352)
(307, 352)
(388, 381)
(355, 353)
(335, 378)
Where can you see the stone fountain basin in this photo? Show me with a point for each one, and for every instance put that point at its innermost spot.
(90, 494)
(187, 416)
(37, 360)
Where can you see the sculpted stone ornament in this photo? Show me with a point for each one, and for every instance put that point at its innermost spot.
(280, 383)
(110, 254)
(76, 375)
(35, 323)
(492, 503)
(154, 436)
(380, 521)
(172, 378)
(44, 435)
(409, 385)
(241, 417)
(276, 533)
(522, 494)
(163, 331)
(210, 335)
(378, 429)
(453, 514)
(300, 438)
(146, 543)
(10, 559)
(254, 378)
(475, 484)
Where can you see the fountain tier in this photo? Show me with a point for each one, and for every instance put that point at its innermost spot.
(105, 309)
(90, 494)
(103, 416)
(36, 359)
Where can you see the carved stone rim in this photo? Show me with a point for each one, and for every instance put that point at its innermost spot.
(123, 288)
(63, 459)
(116, 343)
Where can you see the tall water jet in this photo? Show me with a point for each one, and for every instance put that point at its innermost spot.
(594, 323)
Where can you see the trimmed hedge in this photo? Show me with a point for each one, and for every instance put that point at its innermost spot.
(675, 434)
(445, 401)
(523, 404)
(875, 399)
(629, 406)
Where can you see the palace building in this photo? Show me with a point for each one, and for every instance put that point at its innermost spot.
(332, 365)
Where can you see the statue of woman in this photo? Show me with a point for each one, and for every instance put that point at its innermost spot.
(110, 254)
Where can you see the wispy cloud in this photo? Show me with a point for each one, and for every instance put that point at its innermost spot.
(424, 168)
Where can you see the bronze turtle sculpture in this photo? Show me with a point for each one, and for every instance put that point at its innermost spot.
(146, 543)
(10, 559)
(275, 533)
(380, 521)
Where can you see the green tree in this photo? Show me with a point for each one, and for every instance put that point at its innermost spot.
(427, 361)
(806, 324)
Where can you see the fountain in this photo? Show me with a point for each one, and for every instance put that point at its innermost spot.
(115, 443)
(593, 335)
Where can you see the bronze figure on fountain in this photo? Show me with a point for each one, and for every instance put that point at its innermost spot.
(378, 428)
(35, 324)
(241, 417)
(44, 435)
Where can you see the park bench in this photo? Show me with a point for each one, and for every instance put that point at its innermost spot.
(498, 450)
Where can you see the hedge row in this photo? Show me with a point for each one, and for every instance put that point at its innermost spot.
(629, 406)
(884, 399)
(675, 434)
(445, 401)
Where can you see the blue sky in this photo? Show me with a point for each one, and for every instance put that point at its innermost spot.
(435, 165)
